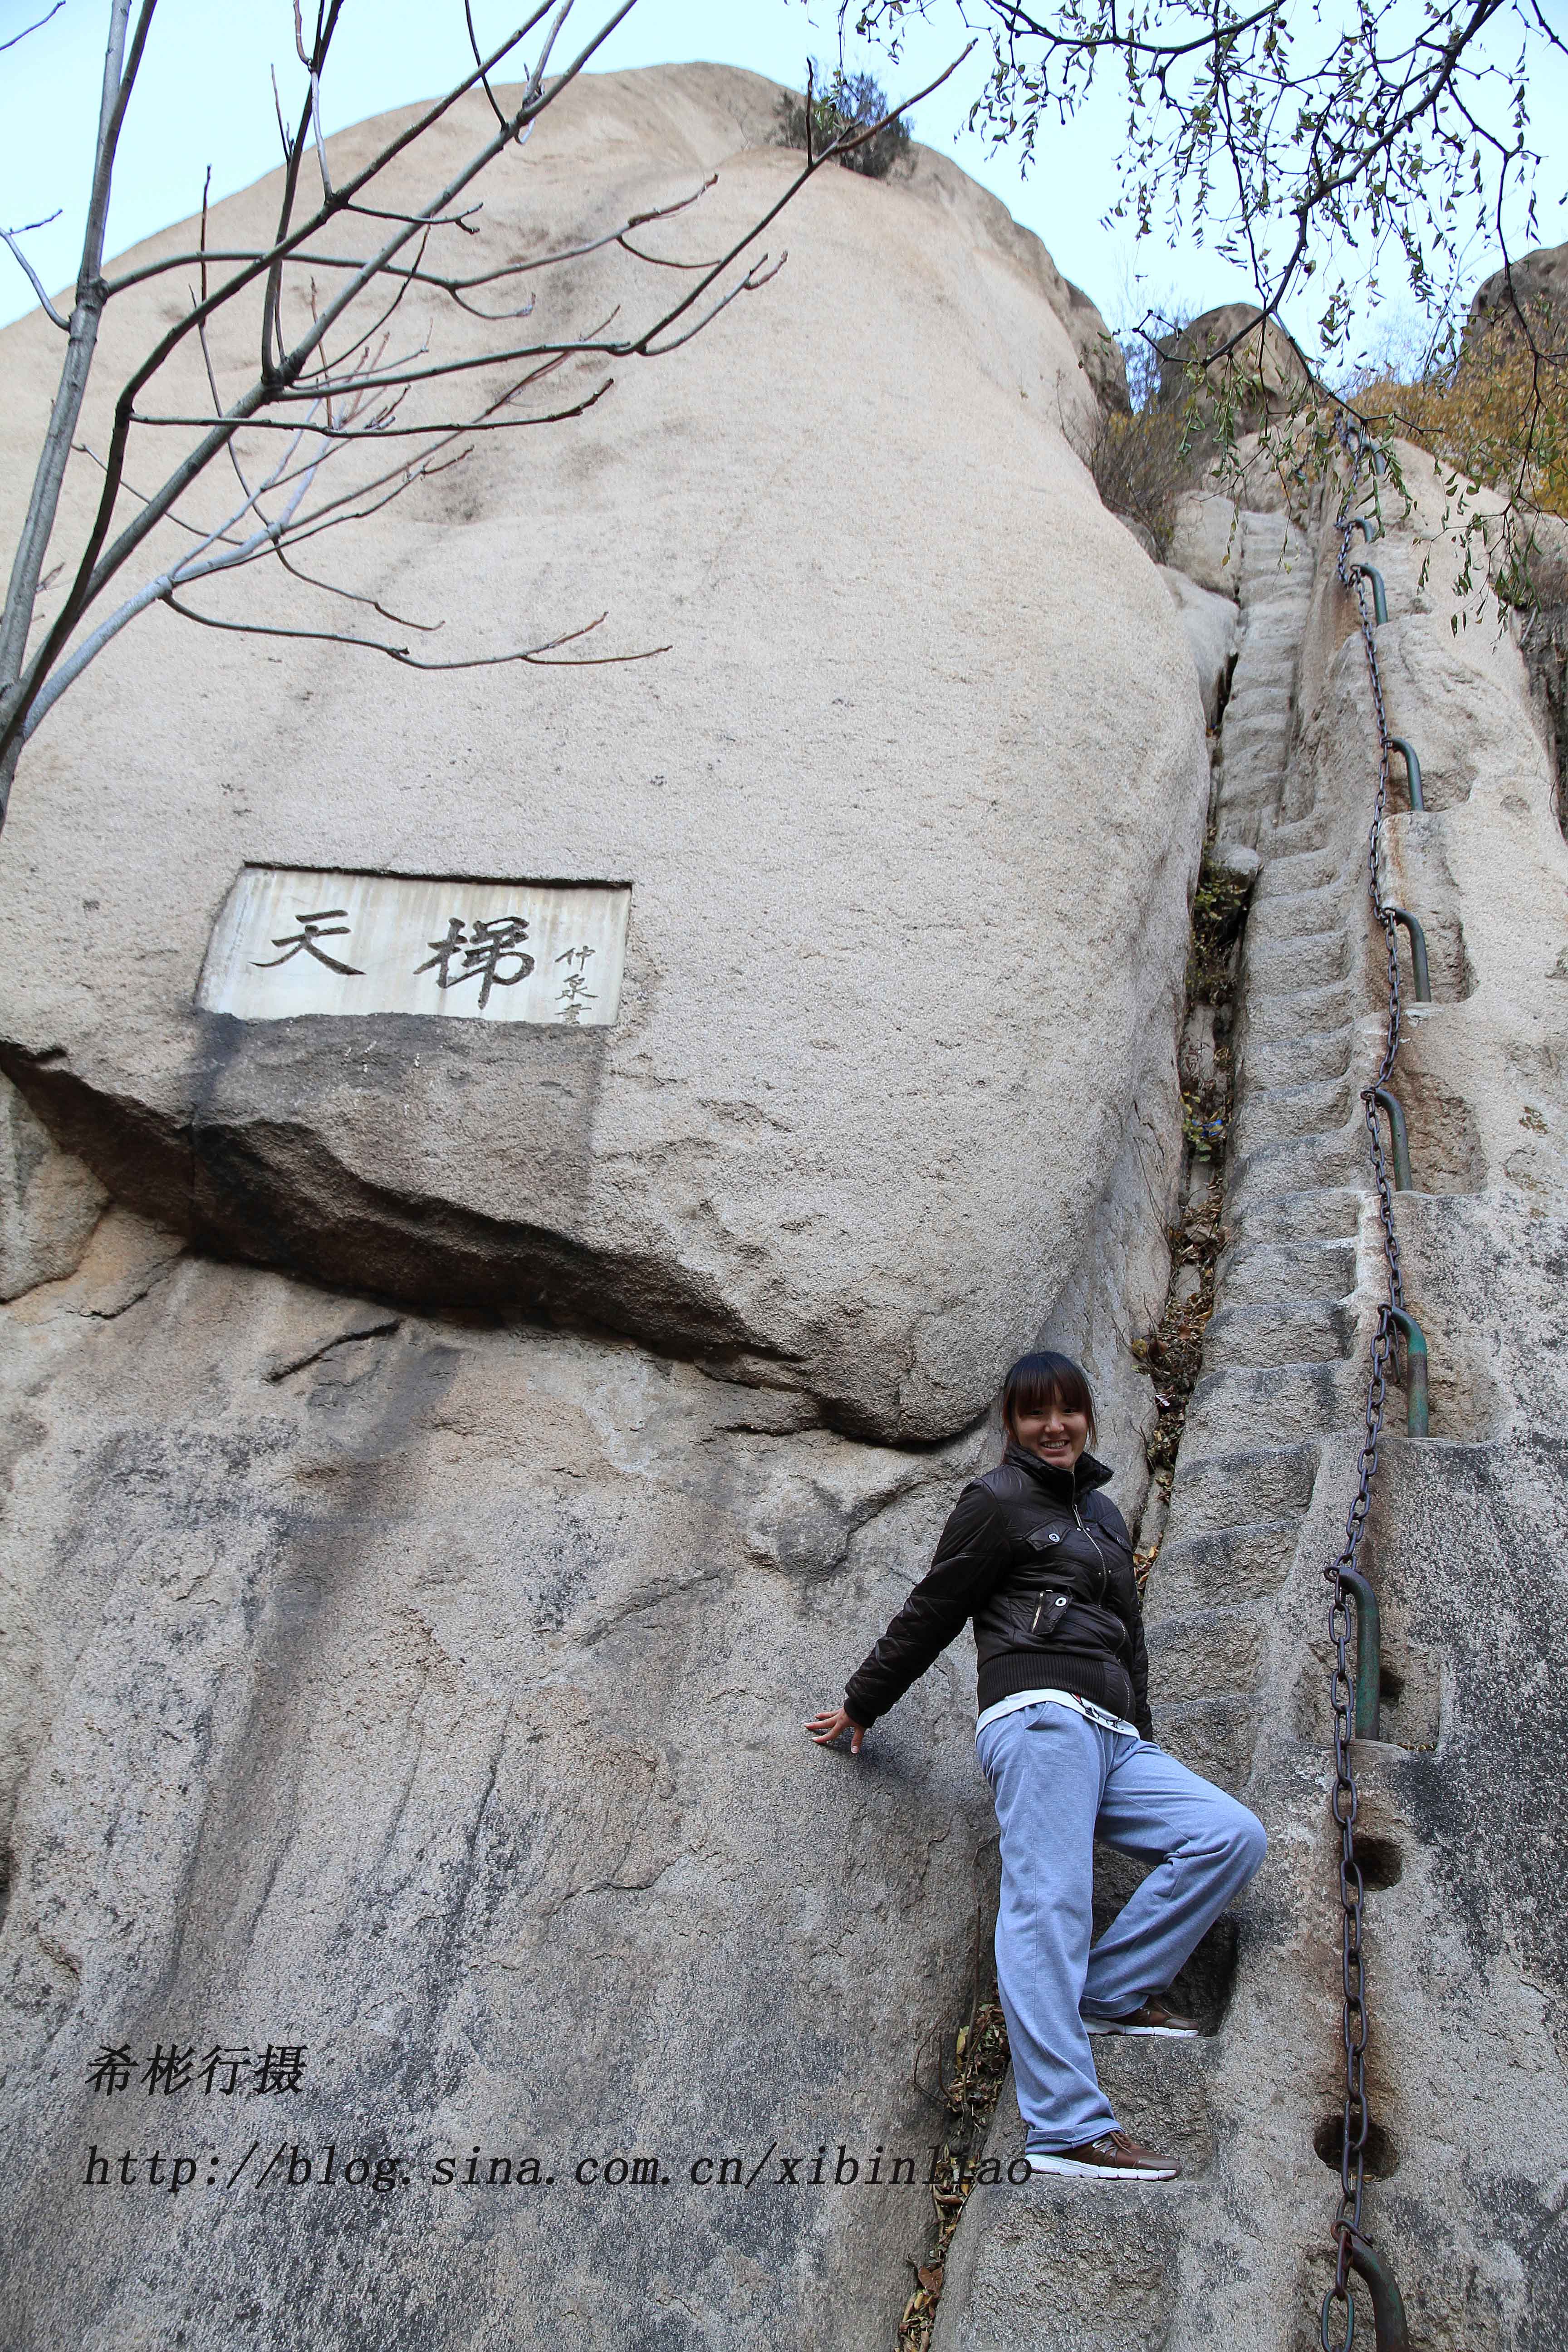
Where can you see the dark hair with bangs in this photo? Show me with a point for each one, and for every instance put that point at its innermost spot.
(1045, 1378)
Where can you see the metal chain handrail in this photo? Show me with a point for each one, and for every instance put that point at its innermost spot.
(1351, 2251)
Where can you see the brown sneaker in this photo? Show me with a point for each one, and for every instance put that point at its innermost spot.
(1153, 2018)
(1112, 2157)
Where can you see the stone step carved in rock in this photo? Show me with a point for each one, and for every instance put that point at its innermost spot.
(1293, 1014)
(1226, 1564)
(1284, 1114)
(1203, 1653)
(1218, 1491)
(1303, 1165)
(1284, 1331)
(1277, 1274)
(1289, 915)
(1039, 2265)
(1312, 1215)
(1300, 835)
(1304, 870)
(1216, 1736)
(1295, 1061)
(1309, 960)
(1251, 1404)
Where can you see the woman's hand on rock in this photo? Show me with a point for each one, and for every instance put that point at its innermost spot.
(832, 1724)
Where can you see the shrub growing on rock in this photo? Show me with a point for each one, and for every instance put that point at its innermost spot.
(1140, 465)
(1479, 413)
(847, 104)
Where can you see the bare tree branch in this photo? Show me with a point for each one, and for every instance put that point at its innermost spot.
(535, 654)
(32, 546)
(311, 69)
(1309, 147)
(354, 597)
(37, 27)
(474, 44)
(91, 573)
(9, 236)
(446, 280)
(331, 385)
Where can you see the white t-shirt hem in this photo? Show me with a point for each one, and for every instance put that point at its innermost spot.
(1086, 1708)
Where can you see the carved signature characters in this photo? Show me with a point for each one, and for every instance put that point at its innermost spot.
(575, 994)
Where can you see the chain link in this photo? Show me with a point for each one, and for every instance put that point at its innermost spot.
(1344, 1799)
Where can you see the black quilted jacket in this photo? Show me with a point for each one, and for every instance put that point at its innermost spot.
(1042, 1562)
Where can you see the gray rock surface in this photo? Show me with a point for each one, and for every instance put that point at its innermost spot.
(1261, 469)
(1100, 356)
(428, 1691)
(394, 1674)
(1544, 545)
(429, 1694)
(1210, 623)
(1538, 276)
(1204, 542)
(893, 809)
(1141, 533)
(1459, 1805)
(49, 1202)
(1235, 859)
(1233, 347)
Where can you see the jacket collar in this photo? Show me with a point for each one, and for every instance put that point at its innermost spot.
(1063, 1486)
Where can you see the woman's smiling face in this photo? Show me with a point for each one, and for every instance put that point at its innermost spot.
(1057, 1436)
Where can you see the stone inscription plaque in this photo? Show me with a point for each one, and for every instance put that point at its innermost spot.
(293, 941)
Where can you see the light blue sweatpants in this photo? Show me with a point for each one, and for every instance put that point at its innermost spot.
(1059, 1781)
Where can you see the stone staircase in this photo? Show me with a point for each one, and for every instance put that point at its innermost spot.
(1275, 590)
(1085, 2264)
(1284, 1353)
(1281, 1354)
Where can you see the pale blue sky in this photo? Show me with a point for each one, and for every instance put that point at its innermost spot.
(206, 97)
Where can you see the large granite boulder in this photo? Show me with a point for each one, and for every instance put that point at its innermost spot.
(430, 1698)
(1537, 282)
(403, 1678)
(1234, 355)
(1209, 620)
(907, 812)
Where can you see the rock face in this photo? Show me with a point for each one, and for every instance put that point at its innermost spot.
(429, 1696)
(396, 1675)
(1464, 1954)
(1209, 620)
(1263, 368)
(1540, 277)
(1100, 356)
(892, 809)
(49, 1202)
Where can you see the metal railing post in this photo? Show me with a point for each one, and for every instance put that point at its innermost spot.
(1391, 2329)
(1398, 1137)
(1416, 1396)
(1412, 770)
(1420, 968)
(1368, 1654)
(1379, 594)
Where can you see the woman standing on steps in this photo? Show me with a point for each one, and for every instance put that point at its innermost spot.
(1041, 1560)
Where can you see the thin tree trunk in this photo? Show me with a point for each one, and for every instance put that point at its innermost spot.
(37, 529)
